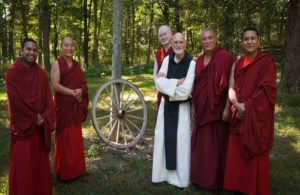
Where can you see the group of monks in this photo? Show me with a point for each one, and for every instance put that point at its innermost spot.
(215, 119)
(230, 104)
(34, 115)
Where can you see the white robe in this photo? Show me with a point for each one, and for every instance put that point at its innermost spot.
(181, 176)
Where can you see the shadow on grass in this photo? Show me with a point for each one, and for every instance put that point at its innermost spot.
(285, 165)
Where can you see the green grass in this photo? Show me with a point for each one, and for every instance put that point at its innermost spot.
(111, 171)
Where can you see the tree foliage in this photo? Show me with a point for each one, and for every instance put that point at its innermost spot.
(90, 23)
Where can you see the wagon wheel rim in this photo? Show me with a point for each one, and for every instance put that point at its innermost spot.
(119, 113)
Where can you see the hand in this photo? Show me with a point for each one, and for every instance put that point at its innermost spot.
(40, 120)
(78, 94)
(161, 74)
(180, 81)
(241, 109)
(225, 115)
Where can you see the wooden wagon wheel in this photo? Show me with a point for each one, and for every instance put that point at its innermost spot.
(119, 113)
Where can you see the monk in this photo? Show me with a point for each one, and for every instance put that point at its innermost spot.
(165, 38)
(252, 93)
(32, 119)
(211, 113)
(71, 101)
(171, 155)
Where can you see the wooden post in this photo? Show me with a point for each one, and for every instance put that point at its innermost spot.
(116, 57)
(117, 35)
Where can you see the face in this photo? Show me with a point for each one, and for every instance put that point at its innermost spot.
(164, 35)
(29, 52)
(208, 41)
(250, 42)
(178, 44)
(67, 47)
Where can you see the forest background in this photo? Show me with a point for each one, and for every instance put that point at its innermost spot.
(90, 23)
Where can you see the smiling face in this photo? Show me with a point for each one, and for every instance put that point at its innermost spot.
(178, 44)
(208, 41)
(67, 47)
(165, 36)
(250, 42)
(29, 52)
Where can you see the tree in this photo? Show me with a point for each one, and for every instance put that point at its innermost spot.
(85, 34)
(291, 69)
(45, 29)
(3, 36)
(95, 54)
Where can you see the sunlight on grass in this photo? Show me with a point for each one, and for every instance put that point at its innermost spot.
(3, 96)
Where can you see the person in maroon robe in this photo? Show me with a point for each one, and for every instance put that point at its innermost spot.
(165, 38)
(211, 113)
(252, 93)
(32, 119)
(71, 101)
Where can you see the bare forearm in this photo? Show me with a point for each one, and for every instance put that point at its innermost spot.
(63, 90)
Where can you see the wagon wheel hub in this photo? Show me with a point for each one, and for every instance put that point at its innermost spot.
(121, 113)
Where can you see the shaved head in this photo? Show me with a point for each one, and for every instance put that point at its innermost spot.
(164, 28)
(165, 36)
(208, 30)
(66, 38)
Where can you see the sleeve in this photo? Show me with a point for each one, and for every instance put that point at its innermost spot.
(85, 98)
(48, 116)
(258, 123)
(183, 91)
(164, 85)
(155, 69)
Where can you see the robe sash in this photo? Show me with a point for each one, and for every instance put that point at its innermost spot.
(171, 110)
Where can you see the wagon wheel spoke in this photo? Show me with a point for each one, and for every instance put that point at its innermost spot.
(127, 99)
(104, 117)
(105, 103)
(111, 98)
(131, 103)
(135, 117)
(129, 130)
(112, 128)
(132, 124)
(118, 131)
(124, 132)
(133, 110)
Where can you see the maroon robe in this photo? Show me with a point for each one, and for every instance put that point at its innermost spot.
(160, 56)
(251, 138)
(69, 151)
(29, 94)
(210, 134)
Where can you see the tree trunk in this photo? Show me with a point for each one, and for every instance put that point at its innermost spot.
(150, 30)
(177, 17)
(127, 34)
(100, 19)
(290, 75)
(3, 39)
(45, 24)
(95, 54)
(11, 51)
(85, 34)
(132, 33)
(24, 19)
(56, 33)
(117, 37)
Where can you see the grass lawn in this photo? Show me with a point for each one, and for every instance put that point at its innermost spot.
(111, 171)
